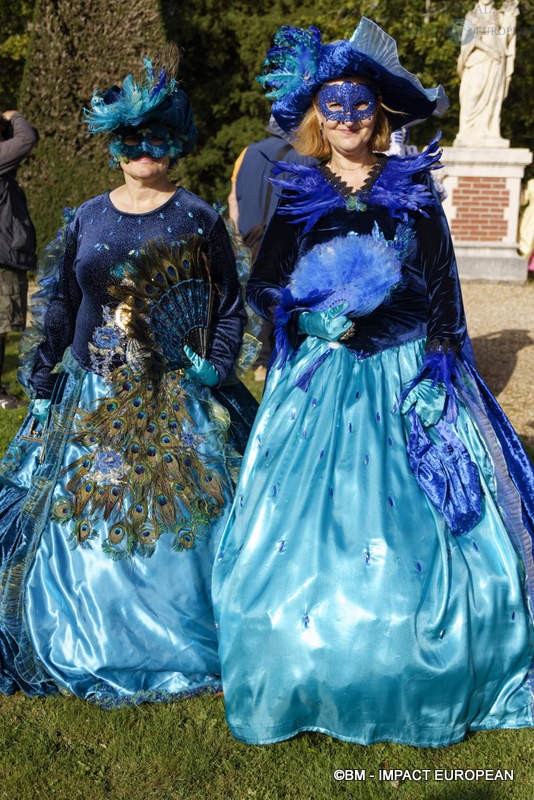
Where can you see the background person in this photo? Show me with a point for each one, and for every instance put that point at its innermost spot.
(17, 234)
(526, 226)
(252, 202)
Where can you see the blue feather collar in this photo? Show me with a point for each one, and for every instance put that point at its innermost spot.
(308, 192)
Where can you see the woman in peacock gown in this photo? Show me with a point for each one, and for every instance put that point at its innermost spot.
(375, 577)
(116, 488)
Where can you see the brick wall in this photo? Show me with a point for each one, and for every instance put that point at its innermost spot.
(479, 206)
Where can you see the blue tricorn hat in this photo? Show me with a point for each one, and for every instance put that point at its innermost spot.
(299, 64)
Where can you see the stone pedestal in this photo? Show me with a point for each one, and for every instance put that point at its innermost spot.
(482, 206)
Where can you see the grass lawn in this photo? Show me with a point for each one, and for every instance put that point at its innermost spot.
(10, 420)
(61, 748)
(66, 749)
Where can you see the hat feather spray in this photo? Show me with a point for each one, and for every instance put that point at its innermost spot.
(154, 98)
(292, 61)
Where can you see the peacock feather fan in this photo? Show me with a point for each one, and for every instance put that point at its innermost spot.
(165, 300)
(292, 60)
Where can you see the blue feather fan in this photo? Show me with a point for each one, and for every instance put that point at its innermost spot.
(356, 271)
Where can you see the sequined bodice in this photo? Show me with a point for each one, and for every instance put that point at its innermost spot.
(101, 237)
(106, 236)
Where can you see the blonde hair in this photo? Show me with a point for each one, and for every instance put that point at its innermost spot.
(310, 142)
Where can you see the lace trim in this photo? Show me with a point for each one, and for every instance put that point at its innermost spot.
(346, 191)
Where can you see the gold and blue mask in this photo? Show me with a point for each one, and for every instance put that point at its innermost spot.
(155, 141)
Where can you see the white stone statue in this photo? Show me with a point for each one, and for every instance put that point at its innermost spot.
(526, 226)
(485, 66)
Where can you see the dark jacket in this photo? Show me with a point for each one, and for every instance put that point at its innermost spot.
(17, 234)
(256, 200)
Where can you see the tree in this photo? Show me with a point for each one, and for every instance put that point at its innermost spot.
(225, 46)
(15, 16)
(76, 47)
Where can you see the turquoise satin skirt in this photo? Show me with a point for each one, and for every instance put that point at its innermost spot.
(86, 608)
(344, 605)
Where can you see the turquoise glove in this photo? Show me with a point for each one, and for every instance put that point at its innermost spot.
(428, 400)
(201, 371)
(329, 325)
(39, 409)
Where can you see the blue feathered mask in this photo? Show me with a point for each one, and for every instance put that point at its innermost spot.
(157, 98)
(299, 63)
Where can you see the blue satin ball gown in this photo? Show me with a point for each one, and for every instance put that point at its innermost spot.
(112, 509)
(375, 578)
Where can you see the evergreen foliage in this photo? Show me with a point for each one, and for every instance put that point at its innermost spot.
(15, 16)
(75, 48)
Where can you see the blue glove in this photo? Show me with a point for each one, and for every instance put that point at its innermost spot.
(201, 371)
(329, 325)
(428, 401)
(39, 408)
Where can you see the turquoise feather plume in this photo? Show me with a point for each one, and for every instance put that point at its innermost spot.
(293, 60)
(131, 104)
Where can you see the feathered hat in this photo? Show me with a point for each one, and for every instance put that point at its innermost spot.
(157, 98)
(299, 63)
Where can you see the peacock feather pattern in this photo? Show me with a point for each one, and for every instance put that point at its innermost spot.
(143, 467)
(165, 300)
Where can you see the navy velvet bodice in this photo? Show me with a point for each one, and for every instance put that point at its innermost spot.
(427, 302)
(99, 237)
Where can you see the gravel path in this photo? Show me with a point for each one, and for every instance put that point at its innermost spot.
(500, 319)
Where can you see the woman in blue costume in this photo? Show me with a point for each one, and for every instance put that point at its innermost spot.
(375, 578)
(115, 490)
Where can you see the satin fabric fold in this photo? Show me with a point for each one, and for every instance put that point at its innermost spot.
(344, 604)
(106, 627)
